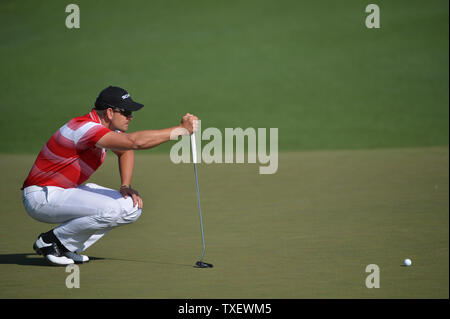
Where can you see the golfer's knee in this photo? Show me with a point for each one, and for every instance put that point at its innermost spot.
(131, 216)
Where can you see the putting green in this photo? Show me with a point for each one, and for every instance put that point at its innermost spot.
(308, 231)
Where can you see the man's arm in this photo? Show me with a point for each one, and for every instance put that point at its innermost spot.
(147, 139)
(126, 167)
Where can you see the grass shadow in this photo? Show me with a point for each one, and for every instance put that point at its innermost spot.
(33, 259)
(149, 261)
(28, 259)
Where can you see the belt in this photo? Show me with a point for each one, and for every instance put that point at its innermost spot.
(31, 189)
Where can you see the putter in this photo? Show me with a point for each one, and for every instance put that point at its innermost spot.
(200, 263)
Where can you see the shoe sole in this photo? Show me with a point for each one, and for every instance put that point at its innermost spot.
(79, 262)
(84, 259)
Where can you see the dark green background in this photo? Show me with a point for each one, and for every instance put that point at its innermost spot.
(310, 68)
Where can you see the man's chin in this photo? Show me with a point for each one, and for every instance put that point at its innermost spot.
(121, 129)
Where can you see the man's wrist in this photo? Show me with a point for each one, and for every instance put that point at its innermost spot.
(125, 186)
(178, 131)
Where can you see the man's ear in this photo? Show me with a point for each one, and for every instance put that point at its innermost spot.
(109, 114)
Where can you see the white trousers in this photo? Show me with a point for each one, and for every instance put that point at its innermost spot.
(87, 212)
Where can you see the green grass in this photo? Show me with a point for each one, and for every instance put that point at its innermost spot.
(310, 68)
(308, 231)
(363, 132)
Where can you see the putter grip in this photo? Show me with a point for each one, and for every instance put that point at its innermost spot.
(194, 148)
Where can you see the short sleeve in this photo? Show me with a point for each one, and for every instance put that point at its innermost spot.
(91, 136)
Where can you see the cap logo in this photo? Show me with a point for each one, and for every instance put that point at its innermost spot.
(125, 96)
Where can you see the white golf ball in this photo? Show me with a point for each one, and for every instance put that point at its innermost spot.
(407, 262)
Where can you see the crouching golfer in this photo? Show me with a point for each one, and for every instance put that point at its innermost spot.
(53, 191)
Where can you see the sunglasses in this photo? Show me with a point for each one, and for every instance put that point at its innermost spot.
(125, 113)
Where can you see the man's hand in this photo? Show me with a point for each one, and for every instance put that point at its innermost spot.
(126, 191)
(190, 123)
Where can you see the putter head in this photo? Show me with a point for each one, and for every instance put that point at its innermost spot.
(202, 264)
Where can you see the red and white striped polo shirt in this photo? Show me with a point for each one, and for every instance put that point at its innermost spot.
(70, 157)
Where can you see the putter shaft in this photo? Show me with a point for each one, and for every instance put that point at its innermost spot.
(194, 159)
(199, 211)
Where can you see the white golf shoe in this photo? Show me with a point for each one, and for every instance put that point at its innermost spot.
(77, 258)
(51, 252)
